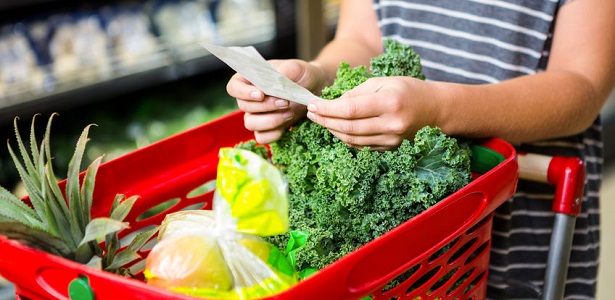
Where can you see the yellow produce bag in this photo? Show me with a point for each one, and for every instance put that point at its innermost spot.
(220, 253)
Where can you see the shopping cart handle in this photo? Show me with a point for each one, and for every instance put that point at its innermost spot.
(567, 174)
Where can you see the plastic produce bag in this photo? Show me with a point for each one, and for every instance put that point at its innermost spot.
(220, 253)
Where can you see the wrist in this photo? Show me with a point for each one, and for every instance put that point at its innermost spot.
(443, 106)
(324, 77)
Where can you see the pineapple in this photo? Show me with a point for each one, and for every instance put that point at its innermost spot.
(60, 223)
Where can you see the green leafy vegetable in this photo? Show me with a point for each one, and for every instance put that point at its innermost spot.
(345, 197)
(253, 146)
(397, 60)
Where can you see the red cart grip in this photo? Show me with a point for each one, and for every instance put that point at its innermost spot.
(567, 174)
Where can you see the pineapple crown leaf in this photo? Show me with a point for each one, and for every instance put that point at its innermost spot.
(87, 187)
(79, 213)
(14, 209)
(98, 228)
(35, 238)
(142, 238)
(53, 192)
(28, 162)
(36, 198)
(124, 257)
(121, 207)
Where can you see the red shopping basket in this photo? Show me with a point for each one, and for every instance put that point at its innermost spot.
(440, 253)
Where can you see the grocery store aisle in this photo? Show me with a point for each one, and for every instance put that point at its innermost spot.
(606, 289)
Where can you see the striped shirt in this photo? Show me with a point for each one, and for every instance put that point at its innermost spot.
(488, 41)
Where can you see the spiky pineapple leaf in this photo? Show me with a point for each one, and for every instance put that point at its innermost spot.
(121, 207)
(35, 238)
(32, 188)
(25, 156)
(87, 188)
(95, 262)
(79, 216)
(98, 228)
(142, 238)
(13, 208)
(33, 143)
(51, 178)
(58, 209)
(128, 254)
(123, 257)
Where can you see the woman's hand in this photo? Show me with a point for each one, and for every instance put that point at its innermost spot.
(269, 116)
(380, 113)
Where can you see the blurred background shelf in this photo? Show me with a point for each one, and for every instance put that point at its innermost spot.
(57, 53)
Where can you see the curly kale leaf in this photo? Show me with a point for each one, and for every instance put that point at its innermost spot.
(397, 60)
(255, 147)
(345, 197)
(346, 79)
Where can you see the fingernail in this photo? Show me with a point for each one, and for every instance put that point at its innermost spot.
(287, 115)
(310, 115)
(281, 103)
(256, 95)
(312, 107)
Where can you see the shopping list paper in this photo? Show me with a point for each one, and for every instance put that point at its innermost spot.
(251, 65)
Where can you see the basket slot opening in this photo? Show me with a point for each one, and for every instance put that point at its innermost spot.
(401, 278)
(462, 250)
(202, 189)
(477, 253)
(443, 280)
(474, 282)
(459, 282)
(484, 221)
(425, 279)
(443, 250)
(157, 209)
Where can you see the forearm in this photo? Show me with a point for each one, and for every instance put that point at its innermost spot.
(563, 100)
(529, 108)
(342, 50)
(355, 42)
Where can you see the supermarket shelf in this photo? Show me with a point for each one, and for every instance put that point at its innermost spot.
(81, 90)
(10, 4)
(108, 70)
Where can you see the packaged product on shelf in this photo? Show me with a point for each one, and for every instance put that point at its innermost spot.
(244, 22)
(183, 24)
(19, 69)
(130, 33)
(79, 49)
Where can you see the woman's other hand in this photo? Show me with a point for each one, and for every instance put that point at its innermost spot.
(380, 113)
(268, 117)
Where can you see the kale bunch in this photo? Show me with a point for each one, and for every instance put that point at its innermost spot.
(397, 60)
(345, 197)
